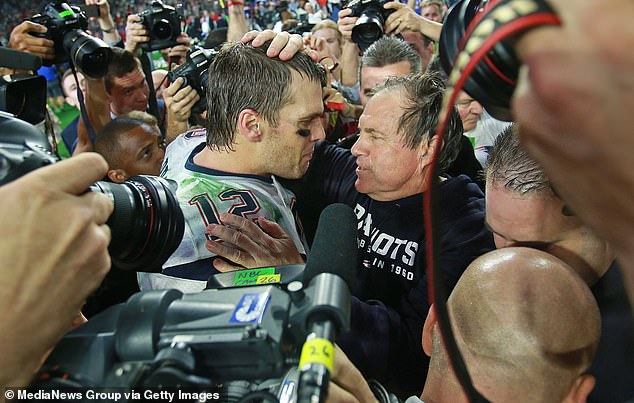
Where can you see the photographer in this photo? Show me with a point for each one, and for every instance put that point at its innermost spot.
(54, 254)
(415, 30)
(137, 33)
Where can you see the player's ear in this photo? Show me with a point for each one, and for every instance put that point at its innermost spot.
(249, 125)
(428, 330)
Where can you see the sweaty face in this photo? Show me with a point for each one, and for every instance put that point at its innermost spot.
(288, 147)
(140, 153)
(129, 93)
(332, 41)
(469, 110)
(386, 168)
(373, 76)
(536, 220)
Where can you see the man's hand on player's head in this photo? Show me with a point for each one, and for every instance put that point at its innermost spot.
(283, 44)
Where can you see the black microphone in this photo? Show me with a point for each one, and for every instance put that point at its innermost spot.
(329, 270)
(18, 60)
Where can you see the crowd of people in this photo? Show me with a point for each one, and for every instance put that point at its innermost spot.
(536, 223)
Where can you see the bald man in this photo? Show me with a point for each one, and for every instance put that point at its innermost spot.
(526, 324)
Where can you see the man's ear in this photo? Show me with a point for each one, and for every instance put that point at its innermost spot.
(426, 150)
(428, 330)
(117, 175)
(580, 389)
(249, 125)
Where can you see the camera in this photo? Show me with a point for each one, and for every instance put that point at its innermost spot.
(163, 23)
(369, 27)
(194, 73)
(147, 223)
(66, 28)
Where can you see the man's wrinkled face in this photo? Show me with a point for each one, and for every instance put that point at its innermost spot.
(140, 153)
(373, 76)
(536, 220)
(386, 168)
(129, 93)
(289, 145)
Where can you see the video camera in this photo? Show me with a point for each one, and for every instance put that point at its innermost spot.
(147, 223)
(240, 343)
(163, 22)
(194, 73)
(66, 27)
(369, 27)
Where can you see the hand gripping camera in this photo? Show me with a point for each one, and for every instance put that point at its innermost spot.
(194, 73)
(369, 27)
(147, 223)
(163, 22)
(66, 28)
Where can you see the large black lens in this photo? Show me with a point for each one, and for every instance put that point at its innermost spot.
(147, 223)
(367, 30)
(91, 55)
(162, 29)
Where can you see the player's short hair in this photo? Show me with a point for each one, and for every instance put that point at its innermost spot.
(244, 77)
(510, 165)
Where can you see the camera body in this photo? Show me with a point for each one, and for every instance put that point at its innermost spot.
(146, 224)
(66, 28)
(233, 343)
(194, 72)
(163, 23)
(369, 27)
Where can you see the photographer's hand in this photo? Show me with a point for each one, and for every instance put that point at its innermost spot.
(404, 18)
(105, 21)
(21, 39)
(179, 102)
(251, 245)
(349, 62)
(54, 254)
(180, 51)
(135, 33)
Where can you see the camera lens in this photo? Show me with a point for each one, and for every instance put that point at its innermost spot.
(368, 29)
(147, 223)
(89, 54)
(162, 30)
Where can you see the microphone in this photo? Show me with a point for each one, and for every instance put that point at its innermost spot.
(15, 59)
(329, 270)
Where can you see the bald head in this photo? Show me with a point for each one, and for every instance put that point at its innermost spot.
(526, 323)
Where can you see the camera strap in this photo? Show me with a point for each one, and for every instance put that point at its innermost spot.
(82, 107)
(153, 103)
